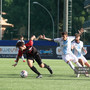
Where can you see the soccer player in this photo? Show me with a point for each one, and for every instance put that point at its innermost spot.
(21, 40)
(78, 48)
(31, 54)
(65, 45)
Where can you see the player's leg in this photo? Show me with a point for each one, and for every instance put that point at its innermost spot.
(75, 60)
(67, 58)
(81, 62)
(16, 57)
(42, 65)
(70, 64)
(23, 58)
(30, 64)
(87, 64)
(85, 61)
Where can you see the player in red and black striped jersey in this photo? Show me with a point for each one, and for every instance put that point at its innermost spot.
(21, 40)
(31, 54)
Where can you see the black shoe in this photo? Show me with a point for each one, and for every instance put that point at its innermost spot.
(39, 76)
(50, 70)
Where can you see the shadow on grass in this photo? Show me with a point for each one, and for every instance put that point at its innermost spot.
(49, 77)
(16, 76)
(65, 77)
(9, 76)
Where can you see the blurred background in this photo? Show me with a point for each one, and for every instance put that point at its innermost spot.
(49, 17)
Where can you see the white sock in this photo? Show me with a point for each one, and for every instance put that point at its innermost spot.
(16, 57)
(78, 64)
(22, 57)
(71, 65)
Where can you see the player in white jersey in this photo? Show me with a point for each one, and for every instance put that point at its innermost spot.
(78, 48)
(65, 45)
(21, 40)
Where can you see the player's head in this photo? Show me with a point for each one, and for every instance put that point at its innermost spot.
(21, 38)
(19, 44)
(77, 37)
(64, 35)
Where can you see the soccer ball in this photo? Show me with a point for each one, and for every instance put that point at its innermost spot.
(24, 74)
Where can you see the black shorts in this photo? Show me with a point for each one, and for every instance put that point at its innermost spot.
(35, 56)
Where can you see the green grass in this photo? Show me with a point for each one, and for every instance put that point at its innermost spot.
(62, 79)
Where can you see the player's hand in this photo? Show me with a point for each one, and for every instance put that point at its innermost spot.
(81, 31)
(85, 51)
(44, 36)
(33, 37)
(14, 64)
(41, 37)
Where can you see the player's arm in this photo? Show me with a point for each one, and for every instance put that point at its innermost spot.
(81, 31)
(34, 37)
(84, 50)
(17, 59)
(45, 38)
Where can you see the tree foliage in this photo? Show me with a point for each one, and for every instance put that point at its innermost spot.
(41, 23)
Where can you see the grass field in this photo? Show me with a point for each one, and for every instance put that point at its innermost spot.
(62, 79)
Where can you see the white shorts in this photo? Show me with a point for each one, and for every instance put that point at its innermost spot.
(83, 58)
(70, 57)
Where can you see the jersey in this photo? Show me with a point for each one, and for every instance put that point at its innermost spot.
(77, 48)
(65, 45)
(31, 53)
(29, 48)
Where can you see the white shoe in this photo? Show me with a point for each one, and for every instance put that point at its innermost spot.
(78, 75)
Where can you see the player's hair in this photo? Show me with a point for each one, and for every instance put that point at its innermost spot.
(21, 36)
(77, 35)
(19, 44)
(64, 33)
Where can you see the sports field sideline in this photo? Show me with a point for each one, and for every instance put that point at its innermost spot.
(62, 79)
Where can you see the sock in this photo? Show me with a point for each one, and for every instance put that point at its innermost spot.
(35, 70)
(22, 57)
(46, 66)
(16, 59)
(78, 64)
(71, 65)
(49, 69)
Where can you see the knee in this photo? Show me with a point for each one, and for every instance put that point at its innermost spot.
(81, 61)
(41, 65)
(67, 62)
(30, 65)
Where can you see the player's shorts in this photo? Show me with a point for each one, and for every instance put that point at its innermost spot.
(35, 56)
(83, 58)
(70, 57)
